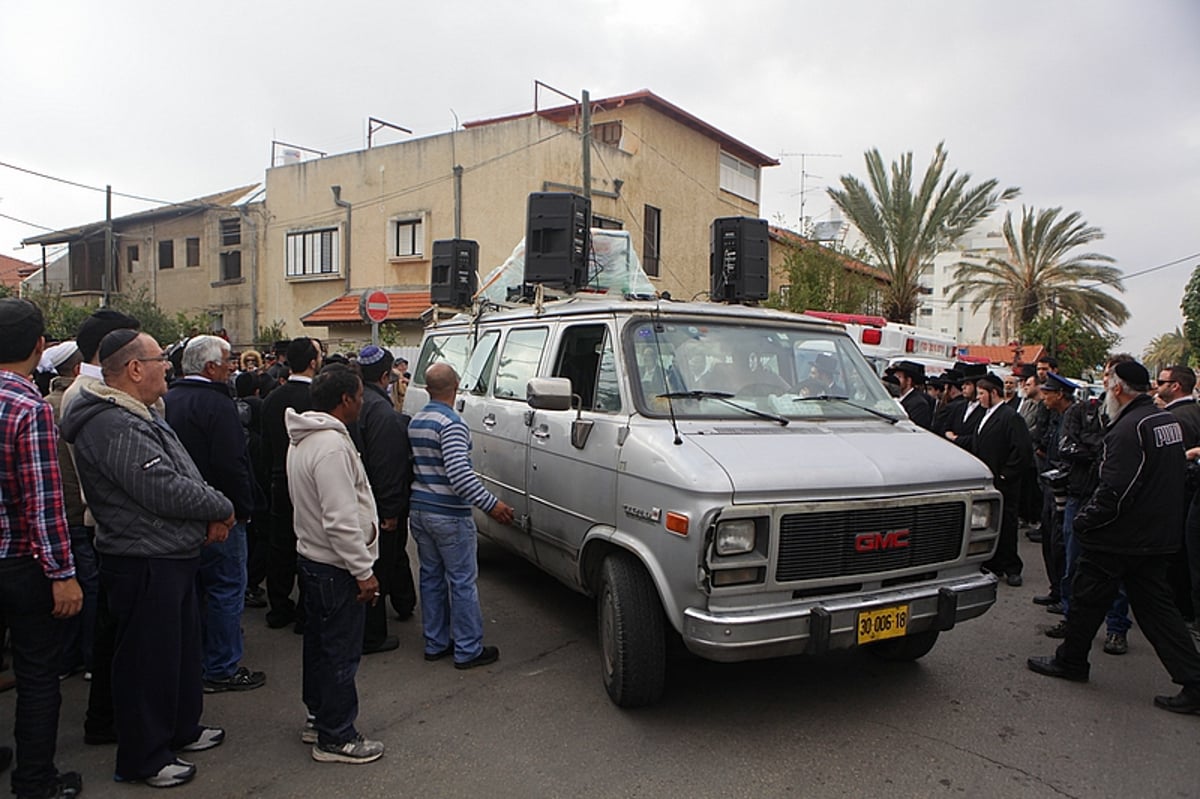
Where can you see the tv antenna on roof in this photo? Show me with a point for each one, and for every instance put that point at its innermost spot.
(803, 180)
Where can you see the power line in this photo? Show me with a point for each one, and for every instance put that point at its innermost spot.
(24, 222)
(127, 196)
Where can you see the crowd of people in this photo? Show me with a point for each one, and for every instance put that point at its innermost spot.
(148, 493)
(1110, 488)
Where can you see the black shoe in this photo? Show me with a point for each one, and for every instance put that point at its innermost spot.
(277, 620)
(1035, 536)
(1052, 668)
(1014, 580)
(1045, 599)
(6, 756)
(1058, 631)
(386, 645)
(1186, 701)
(445, 653)
(66, 785)
(254, 600)
(241, 680)
(298, 628)
(101, 738)
(403, 615)
(1115, 644)
(1057, 609)
(489, 655)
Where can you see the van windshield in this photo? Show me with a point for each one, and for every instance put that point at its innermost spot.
(788, 371)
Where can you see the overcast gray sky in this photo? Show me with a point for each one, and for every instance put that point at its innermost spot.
(1093, 105)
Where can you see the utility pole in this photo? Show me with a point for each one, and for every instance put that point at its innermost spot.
(803, 181)
(109, 276)
(587, 145)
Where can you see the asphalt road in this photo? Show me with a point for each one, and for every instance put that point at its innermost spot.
(967, 720)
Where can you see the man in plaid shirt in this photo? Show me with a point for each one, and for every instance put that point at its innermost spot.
(37, 574)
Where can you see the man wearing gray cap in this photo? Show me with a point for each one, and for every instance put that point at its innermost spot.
(1126, 532)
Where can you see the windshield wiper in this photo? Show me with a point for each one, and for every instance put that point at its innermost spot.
(725, 397)
(851, 403)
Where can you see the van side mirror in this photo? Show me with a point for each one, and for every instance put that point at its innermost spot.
(549, 393)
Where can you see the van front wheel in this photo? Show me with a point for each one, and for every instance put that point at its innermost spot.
(632, 633)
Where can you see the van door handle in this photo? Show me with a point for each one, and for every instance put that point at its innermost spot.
(489, 420)
(542, 432)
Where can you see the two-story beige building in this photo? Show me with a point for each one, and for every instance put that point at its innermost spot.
(656, 171)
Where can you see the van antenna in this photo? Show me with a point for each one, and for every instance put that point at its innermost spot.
(658, 328)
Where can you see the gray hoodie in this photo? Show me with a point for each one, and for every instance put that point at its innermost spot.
(335, 518)
(147, 495)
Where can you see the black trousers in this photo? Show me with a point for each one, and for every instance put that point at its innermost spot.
(157, 692)
(99, 719)
(1054, 550)
(395, 584)
(281, 560)
(1098, 575)
(1007, 560)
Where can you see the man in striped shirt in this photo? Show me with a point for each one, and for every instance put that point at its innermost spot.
(444, 489)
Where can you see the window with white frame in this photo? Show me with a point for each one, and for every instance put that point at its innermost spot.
(313, 252)
(739, 177)
(408, 237)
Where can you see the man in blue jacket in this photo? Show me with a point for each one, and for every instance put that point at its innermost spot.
(201, 411)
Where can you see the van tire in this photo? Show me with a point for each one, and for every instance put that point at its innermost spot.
(633, 657)
(908, 648)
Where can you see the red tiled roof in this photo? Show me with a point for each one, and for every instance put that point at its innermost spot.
(566, 113)
(793, 239)
(343, 310)
(12, 271)
(1003, 353)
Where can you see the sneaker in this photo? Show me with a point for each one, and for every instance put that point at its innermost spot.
(67, 785)
(489, 655)
(357, 750)
(308, 735)
(1186, 701)
(208, 738)
(1057, 631)
(174, 773)
(241, 680)
(1115, 644)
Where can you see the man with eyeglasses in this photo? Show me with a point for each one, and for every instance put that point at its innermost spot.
(1175, 387)
(154, 514)
(201, 411)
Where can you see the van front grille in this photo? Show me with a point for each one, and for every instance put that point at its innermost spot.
(822, 545)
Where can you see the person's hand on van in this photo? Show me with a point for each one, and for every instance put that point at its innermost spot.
(502, 513)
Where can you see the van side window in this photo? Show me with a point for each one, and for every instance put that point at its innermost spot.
(519, 359)
(585, 356)
(478, 373)
(453, 349)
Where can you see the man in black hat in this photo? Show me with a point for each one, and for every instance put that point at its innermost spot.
(916, 402)
(1001, 441)
(950, 402)
(1126, 532)
(964, 420)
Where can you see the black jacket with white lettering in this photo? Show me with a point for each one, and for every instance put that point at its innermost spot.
(1137, 508)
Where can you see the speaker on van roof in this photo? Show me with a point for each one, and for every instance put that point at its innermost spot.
(454, 276)
(557, 239)
(738, 259)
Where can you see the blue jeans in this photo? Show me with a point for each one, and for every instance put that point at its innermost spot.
(1117, 621)
(222, 582)
(449, 599)
(79, 631)
(26, 603)
(333, 639)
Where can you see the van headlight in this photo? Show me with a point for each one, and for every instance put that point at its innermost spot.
(981, 515)
(735, 537)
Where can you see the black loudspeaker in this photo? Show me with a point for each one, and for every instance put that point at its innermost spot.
(738, 260)
(455, 273)
(557, 239)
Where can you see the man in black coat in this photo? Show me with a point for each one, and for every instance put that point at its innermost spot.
(917, 403)
(1175, 387)
(304, 357)
(1001, 441)
(381, 436)
(1126, 531)
(201, 411)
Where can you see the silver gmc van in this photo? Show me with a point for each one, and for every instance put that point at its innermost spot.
(735, 476)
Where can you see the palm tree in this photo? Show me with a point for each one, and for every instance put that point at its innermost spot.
(905, 230)
(1169, 349)
(1038, 272)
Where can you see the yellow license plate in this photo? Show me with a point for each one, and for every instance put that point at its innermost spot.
(876, 625)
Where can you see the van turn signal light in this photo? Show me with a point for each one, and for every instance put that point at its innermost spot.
(677, 523)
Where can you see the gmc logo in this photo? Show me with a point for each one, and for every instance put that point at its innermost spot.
(872, 542)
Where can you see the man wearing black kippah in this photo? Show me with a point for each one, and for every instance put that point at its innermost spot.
(1126, 532)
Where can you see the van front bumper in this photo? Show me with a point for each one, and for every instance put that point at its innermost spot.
(815, 626)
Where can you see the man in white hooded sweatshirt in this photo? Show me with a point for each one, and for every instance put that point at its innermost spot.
(337, 542)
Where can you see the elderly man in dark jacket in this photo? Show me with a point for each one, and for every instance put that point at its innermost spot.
(154, 513)
(201, 411)
(1126, 531)
(381, 436)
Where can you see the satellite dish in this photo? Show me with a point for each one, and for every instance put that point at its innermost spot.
(829, 230)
